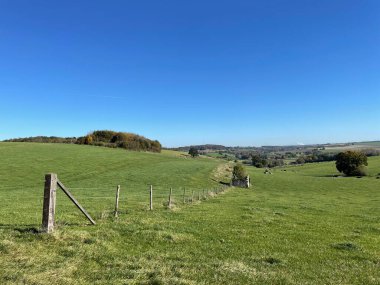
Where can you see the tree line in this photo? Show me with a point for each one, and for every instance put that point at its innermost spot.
(104, 138)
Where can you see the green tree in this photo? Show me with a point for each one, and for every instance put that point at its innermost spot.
(258, 160)
(238, 172)
(352, 163)
(193, 152)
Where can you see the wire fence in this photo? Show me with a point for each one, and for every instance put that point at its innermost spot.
(25, 201)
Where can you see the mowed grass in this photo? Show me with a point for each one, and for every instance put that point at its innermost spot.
(299, 226)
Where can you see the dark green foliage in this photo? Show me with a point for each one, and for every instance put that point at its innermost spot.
(103, 135)
(193, 152)
(43, 139)
(275, 163)
(351, 163)
(315, 156)
(360, 171)
(201, 147)
(300, 160)
(238, 172)
(260, 161)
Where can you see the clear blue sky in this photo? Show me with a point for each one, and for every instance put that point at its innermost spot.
(192, 72)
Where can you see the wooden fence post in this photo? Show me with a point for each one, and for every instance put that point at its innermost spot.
(151, 198)
(184, 195)
(192, 197)
(48, 211)
(117, 201)
(170, 197)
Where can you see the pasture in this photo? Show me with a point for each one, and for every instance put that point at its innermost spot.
(300, 225)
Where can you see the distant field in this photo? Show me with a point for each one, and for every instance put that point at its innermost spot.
(299, 226)
(374, 144)
(355, 146)
(222, 156)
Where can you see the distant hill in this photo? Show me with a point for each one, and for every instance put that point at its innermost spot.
(200, 147)
(104, 138)
(279, 148)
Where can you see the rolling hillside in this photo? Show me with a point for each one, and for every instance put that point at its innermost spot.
(300, 225)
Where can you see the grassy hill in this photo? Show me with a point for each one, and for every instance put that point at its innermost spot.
(299, 226)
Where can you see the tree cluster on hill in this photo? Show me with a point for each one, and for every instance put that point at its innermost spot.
(102, 138)
(121, 140)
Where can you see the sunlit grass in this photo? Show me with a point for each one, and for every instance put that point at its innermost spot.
(299, 226)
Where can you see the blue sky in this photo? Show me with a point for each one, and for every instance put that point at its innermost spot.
(192, 72)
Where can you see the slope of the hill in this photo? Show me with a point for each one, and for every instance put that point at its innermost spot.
(299, 226)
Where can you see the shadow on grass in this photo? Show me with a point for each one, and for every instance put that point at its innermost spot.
(33, 229)
(329, 176)
(221, 182)
(345, 246)
(29, 230)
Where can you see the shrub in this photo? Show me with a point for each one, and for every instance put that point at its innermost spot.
(89, 139)
(193, 152)
(351, 163)
(238, 172)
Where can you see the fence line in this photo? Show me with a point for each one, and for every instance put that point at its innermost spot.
(154, 198)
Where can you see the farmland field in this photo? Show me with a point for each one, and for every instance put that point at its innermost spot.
(375, 145)
(300, 225)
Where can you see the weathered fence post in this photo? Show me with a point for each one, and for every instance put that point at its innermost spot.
(48, 211)
(117, 201)
(151, 198)
(184, 195)
(192, 197)
(170, 198)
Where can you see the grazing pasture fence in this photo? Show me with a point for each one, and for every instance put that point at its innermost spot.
(97, 202)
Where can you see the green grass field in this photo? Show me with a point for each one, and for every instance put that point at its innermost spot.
(299, 226)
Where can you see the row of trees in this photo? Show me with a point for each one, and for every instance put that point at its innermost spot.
(102, 138)
(315, 157)
(44, 139)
